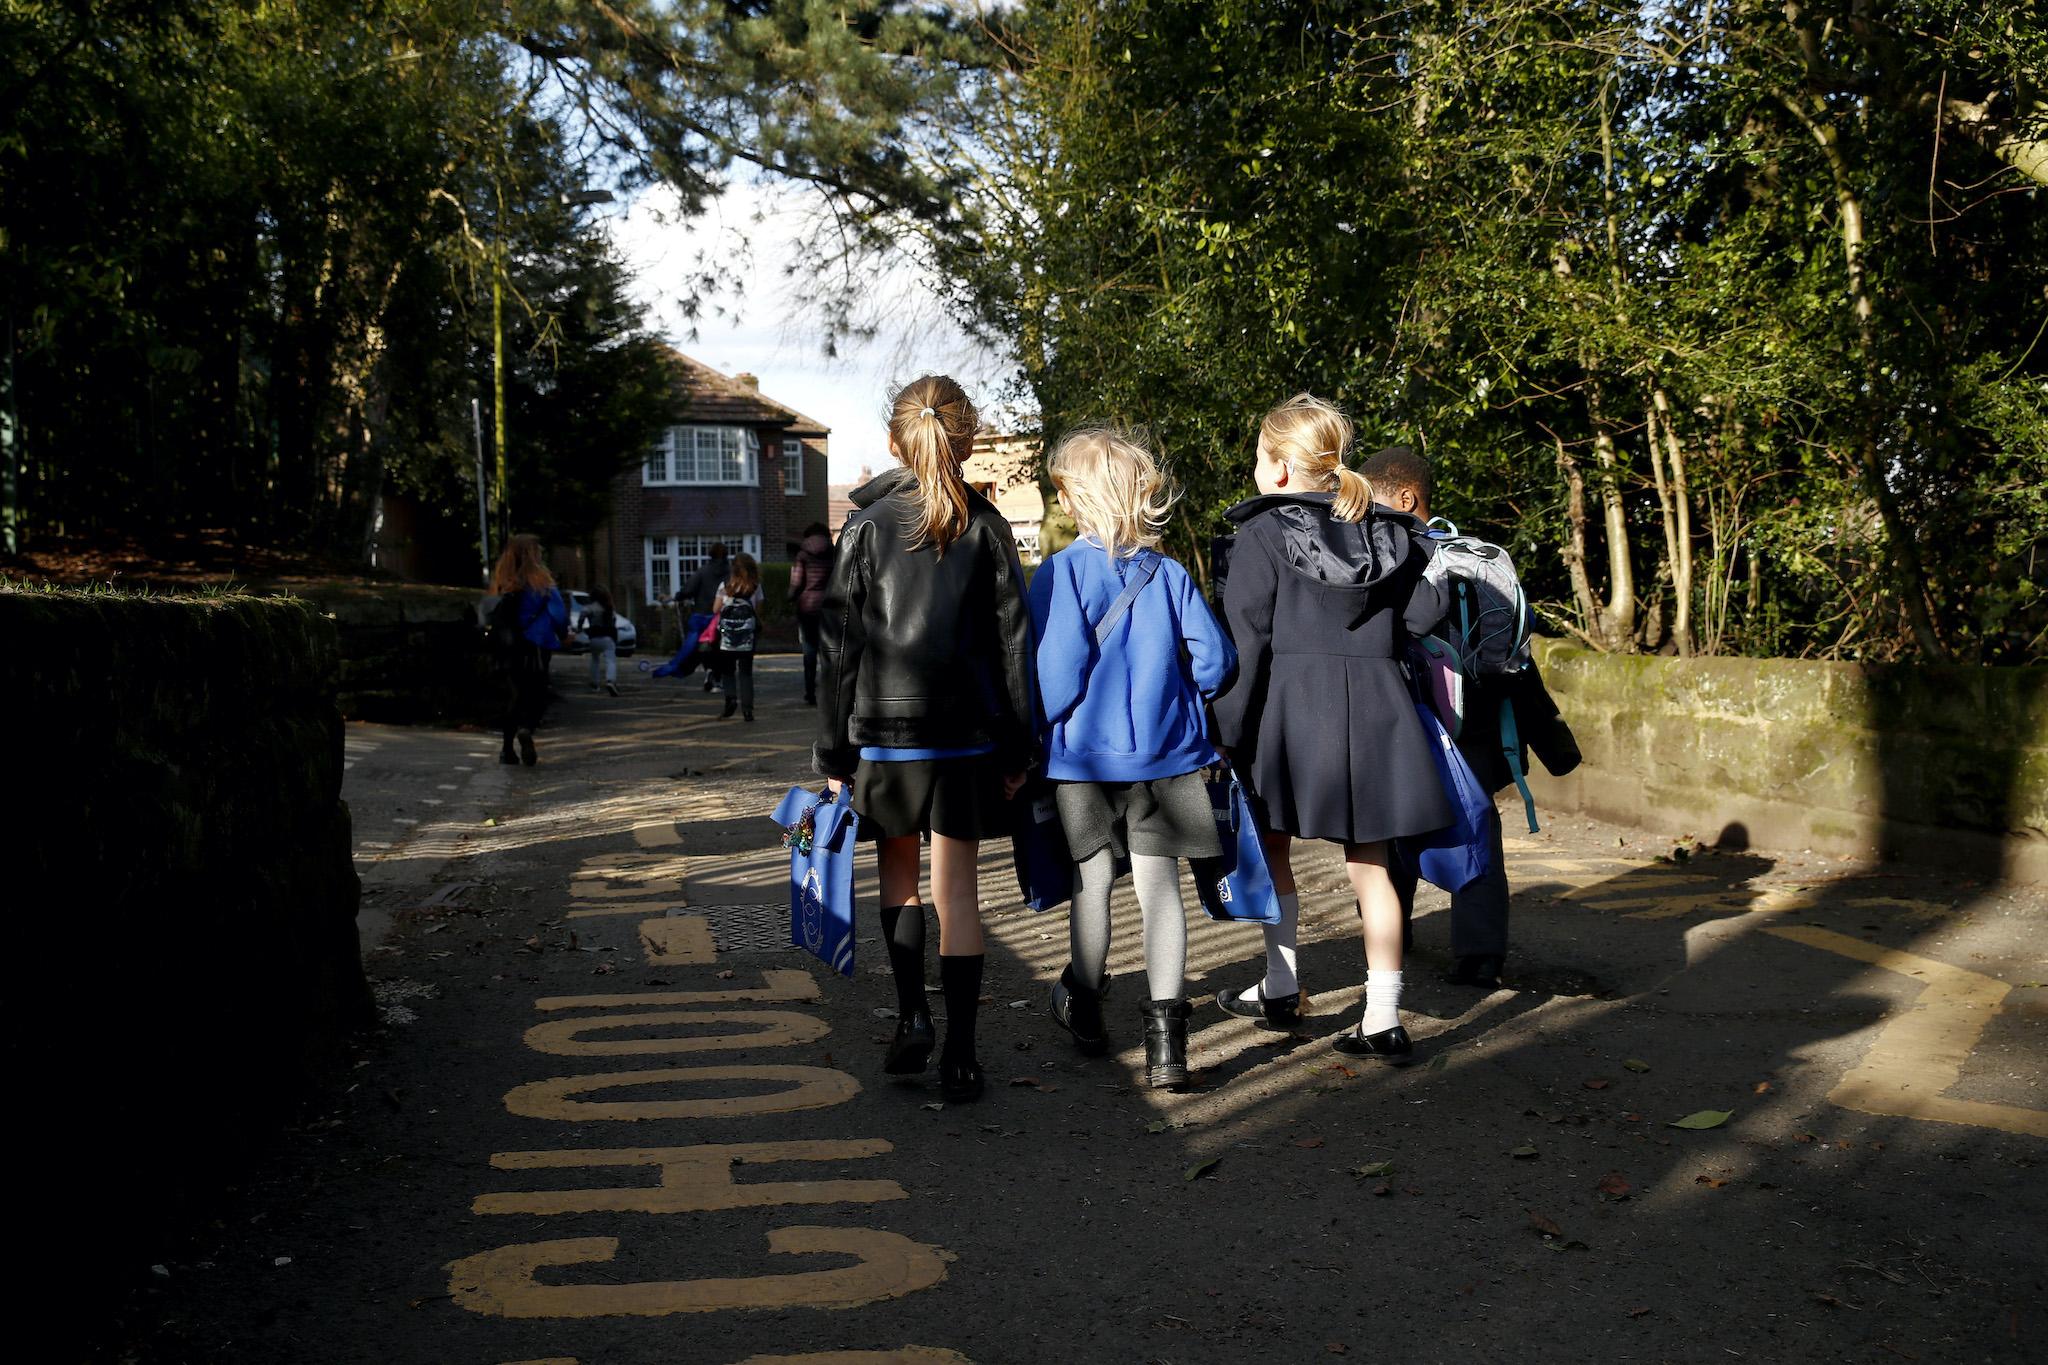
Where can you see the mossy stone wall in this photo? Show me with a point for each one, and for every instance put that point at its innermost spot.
(1945, 765)
(409, 652)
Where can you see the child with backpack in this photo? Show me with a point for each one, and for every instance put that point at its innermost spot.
(1321, 599)
(601, 628)
(1500, 712)
(925, 705)
(1127, 651)
(737, 605)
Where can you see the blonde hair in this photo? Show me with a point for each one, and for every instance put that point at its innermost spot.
(1114, 487)
(743, 577)
(1312, 438)
(932, 425)
(520, 567)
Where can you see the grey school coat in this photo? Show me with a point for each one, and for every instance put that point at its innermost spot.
(1320, 721)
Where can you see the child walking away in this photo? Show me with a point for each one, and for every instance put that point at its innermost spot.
(1322, 597)
(925, 705)
(1127, 650)
(601, 628)
(528, 622)
(738, 605)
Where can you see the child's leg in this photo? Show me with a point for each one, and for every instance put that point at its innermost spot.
(903, 920)
(1157, 882)
(1280, 979)
(1366, 866)
(596, 663)
(611, 660)
(956, 893)
(744, 666)
(1088, 919)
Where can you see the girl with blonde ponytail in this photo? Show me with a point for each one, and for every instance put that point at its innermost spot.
(1322, 595)
(925, 705)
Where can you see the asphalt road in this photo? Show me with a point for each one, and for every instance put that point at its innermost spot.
(608, 1121)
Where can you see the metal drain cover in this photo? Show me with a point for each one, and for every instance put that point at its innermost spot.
(758, 927)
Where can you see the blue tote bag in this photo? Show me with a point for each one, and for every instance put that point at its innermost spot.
(820, 833)
(1045, 868)
(1460, 853)
(1238, 885)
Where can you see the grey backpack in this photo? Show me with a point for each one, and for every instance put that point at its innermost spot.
(1487, 630)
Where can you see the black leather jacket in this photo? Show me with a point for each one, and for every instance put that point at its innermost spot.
(920, 650)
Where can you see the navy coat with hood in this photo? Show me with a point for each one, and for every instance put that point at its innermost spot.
(1321, 720)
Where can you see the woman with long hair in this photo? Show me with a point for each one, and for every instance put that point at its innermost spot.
(738, 607)
(925, 705)
(527, 625)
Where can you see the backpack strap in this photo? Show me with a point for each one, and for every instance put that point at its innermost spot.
(1141, 574)
(1511, 749)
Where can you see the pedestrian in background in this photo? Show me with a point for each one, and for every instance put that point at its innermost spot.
(700, 597)
(600, 626)
(925, 705)
(527, 624)
(737, 605)
(1127, 653)
(808, 575)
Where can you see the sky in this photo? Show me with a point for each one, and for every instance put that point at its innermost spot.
(759, 328)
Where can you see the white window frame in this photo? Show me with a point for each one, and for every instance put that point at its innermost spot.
(701, 456)
(792, 467)
(683, 555)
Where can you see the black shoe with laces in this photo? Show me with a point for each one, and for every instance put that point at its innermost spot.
(1166, 1043)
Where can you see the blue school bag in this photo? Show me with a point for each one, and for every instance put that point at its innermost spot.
(1238, 885)
(1461, 852)
(820, 833)
(1045, 868)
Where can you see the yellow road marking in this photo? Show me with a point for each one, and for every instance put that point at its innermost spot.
(807, 1087)
(656, 836)
(1919, 1054)
(778, 1028)
(778, 984)
(501, 1283)
(693, 1179)
(907, 1355)
(678, 941)
(587, 911)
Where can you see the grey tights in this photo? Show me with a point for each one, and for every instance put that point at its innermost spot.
(1157, 882)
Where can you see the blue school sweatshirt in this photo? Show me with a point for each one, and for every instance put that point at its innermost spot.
(1130, 710)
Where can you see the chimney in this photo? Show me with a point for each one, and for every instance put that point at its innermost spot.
(752, 381)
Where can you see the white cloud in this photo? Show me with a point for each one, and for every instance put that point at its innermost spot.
(751, 232)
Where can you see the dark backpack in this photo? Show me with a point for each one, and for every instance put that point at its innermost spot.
(736, 623)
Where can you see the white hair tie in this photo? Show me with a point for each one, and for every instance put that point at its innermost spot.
(927, 412)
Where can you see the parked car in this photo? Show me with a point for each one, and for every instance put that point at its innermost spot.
(579, 603)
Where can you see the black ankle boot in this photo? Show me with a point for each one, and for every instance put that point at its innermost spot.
(1166, 1042)
(732, 707)
(527, 755)
(1079, 1012)
(506, 755)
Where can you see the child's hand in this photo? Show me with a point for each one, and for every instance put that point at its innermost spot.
(1012, 784)
(835, 786)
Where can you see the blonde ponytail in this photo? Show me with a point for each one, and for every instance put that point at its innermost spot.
(931, 426)
(1313, 438)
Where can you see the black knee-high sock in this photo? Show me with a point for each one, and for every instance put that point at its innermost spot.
(960, 981)
(903, 928)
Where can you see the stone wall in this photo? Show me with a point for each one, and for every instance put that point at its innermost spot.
(1941, 765)
(410, 652)
(179, 870)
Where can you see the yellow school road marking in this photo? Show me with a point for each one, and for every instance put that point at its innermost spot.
(1919, 1054)
(909, 1355)
(808, 1087)
(778, 984)
(693, 1179)
(587, 911)
(889, 1265)
(678, 941)
(777, 1028)
(656, 836)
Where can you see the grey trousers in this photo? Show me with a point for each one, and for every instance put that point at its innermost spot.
(1479, 913)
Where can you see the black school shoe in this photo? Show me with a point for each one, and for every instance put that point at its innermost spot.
(1080, 1013)
(1166, 1043)
(526, 750)
(1392, 1046)
(506, 754)
(911, 1049)
(1253, 1004)
(1477, 970)
(960, 1082)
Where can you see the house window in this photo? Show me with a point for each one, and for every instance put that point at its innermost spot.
(792, 466)
(703, 455)
(672, 561)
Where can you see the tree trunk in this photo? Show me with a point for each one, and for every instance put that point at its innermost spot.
(1678, 528)
(1618, 617)
(1575, 537)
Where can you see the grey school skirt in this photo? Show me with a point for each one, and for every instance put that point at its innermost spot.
(1167, 817)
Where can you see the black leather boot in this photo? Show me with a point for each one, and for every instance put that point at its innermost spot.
(1079, 1012)
(1166, 1042)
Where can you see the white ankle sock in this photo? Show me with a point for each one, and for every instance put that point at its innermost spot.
(1280, 979)
(1382, 1002)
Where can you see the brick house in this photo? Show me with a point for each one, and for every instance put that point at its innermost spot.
(740, 468)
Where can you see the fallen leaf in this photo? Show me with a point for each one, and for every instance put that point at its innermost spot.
(1335, 1348)
(1346, 1072)
(1596, 1084)
(1637, 1312)
(1711, 1182)
(1830, 1301)
(1543, 1225)
(1157, 1126)
(1382, 1190)
(725, 975)
(1308, 1142)
(1523, 1152)
(1031, 1081)
(603, 969)
(1636, 1064)
(1631, 1118)
(1438, 1062)
(1373, 1169)
(1804, 1137)
(490, 820)
(1762, 1088)
(1200, 1169)
(1704, 1118)
(1613, 1185)
(936, 1106)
